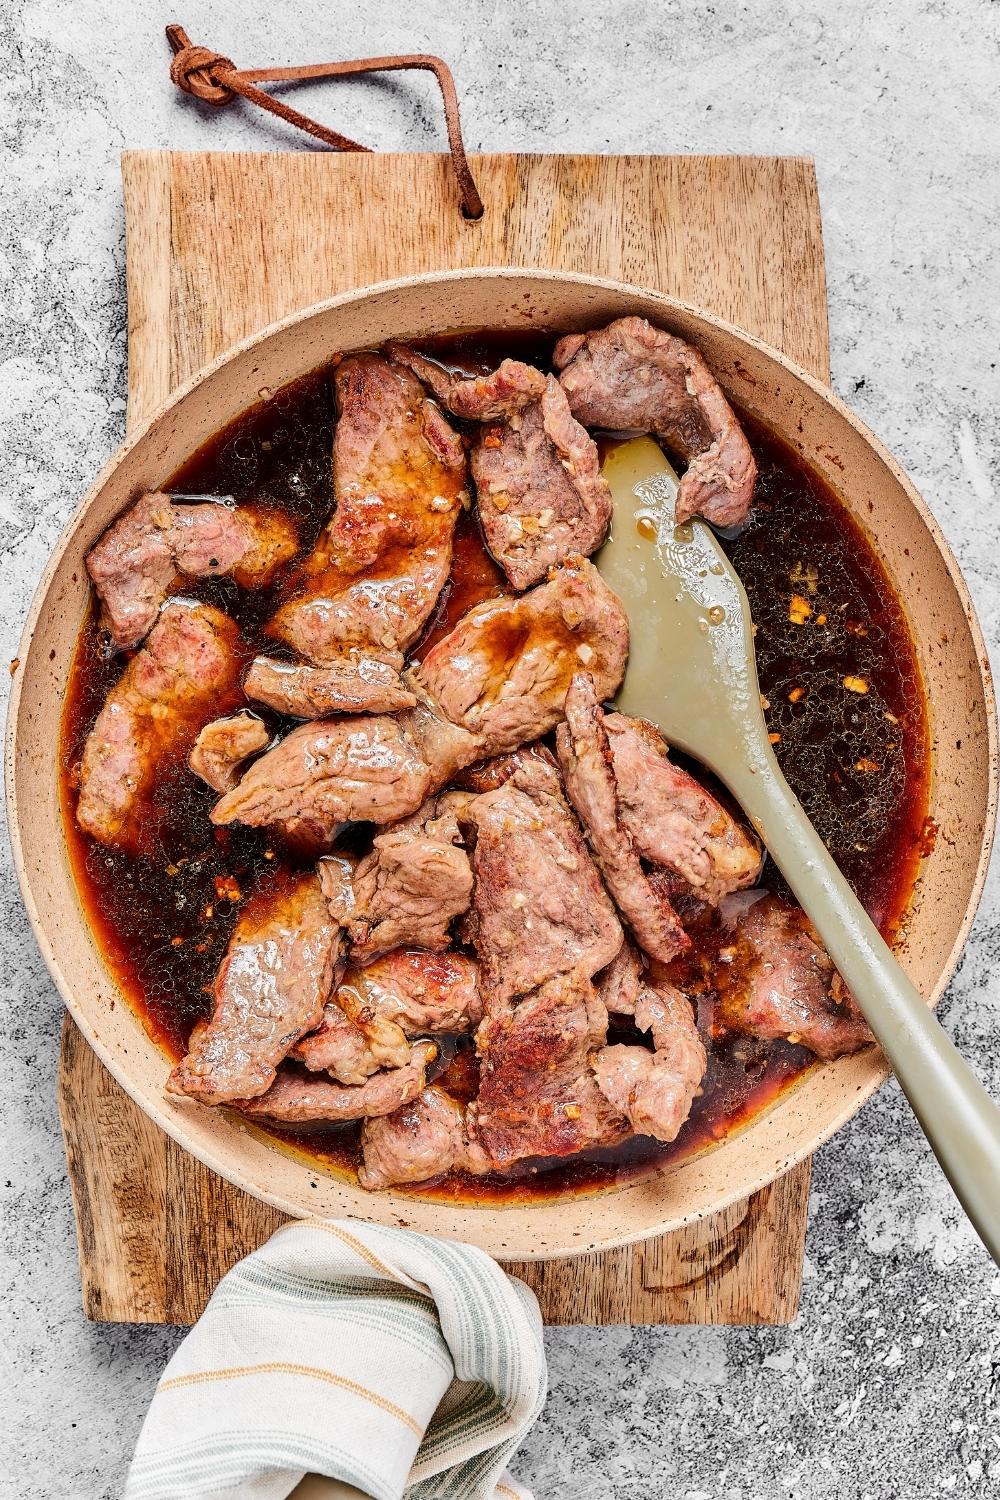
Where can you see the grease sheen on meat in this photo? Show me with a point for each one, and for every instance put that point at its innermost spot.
(399, 476)
(184, 673)
(270, 990)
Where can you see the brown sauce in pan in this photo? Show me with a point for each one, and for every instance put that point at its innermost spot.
(858, 760)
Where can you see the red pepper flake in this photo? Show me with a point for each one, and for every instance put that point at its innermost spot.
(176, 942)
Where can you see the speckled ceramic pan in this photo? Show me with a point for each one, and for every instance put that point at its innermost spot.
(814, 423)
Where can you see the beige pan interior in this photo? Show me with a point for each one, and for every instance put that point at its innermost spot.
(872, 486)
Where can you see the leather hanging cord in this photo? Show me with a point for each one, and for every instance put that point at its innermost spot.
(217, 80)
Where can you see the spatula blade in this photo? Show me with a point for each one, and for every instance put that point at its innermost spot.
(691, 665)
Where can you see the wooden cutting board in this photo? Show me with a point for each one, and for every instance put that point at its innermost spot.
(218, 245)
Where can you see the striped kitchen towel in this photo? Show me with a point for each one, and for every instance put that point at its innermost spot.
(387, 1360)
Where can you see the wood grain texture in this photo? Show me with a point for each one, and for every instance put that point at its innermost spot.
(218, 245)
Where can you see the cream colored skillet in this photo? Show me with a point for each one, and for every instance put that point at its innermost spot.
(692, 671)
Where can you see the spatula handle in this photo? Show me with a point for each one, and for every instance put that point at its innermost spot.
(957, 1115)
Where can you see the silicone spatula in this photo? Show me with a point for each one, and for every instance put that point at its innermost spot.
(692, 671)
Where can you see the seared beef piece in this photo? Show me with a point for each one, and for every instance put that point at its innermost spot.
(476, 398)
(270, 990)
(294, 1099)
(223, 746)
(399, 476)
(537, 1091)
(138, 558)
(538, 477)
(540, 907)
(675, 823)
(184, 674)
(775, 980)
(329, 773)
(504, 670)
(498, 679)
(632, 377)
(357, 683)
(424, 993)
(585, 757)
(488, 775)
(410, 887)
(422, 1140)
(655, 1090)
(408, 993)
(621, 982)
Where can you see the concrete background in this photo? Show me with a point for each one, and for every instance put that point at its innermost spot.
(888, 1385)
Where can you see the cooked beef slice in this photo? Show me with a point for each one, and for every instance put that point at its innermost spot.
(136, 561)
(328, 773)
(357, 683)
(296, 1099)
(342, 1049)
(654, 1090)
(476, 398)
(183, 675)
(424, 993)
(537, 1091)
(488, 775)
(674, 821)
(422, 1140)
(588, 772)
(632, 377)
(410, 887)
(774, 979)
(539, 487)
(399, 477)
(410, 992)
(540, 907)
(620, 983)
(270, 990)
(222, 747)
(502, 674)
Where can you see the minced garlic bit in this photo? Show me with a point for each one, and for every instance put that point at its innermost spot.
(856, 684)
(799, 610)
(775, 739)
(765, 703)
(518, 900)
(440, 502)
(821, 619)
(227, 888)
(491, 440)
(585, 652)
(796, 695)
(864, 764)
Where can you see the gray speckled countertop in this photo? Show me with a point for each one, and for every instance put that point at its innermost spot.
(888, 1385)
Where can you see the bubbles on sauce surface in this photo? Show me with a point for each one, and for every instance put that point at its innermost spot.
(824, 612)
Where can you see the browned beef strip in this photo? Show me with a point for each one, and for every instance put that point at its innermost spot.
(674, 821)
(539, 487)
(422, 1140)
(476, 398)
(222, 747)
(655, 1090)
(412, 991)
(399, 477)
(540, 907)
(329, 773)
(775, 980)
(620, 983)
(498, 679)
(138, 558)
(503, 672)
(270, 990)
(184, 674)
(294, 1099)
(358, 682)
(585, 757)
(632, 377)
(537, 1091)
(409, 888)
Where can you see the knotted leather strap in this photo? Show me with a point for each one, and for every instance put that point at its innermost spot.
(209, 76)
